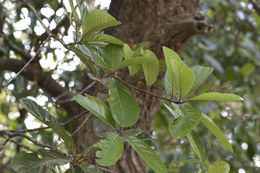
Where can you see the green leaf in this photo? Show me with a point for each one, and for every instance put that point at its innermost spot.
(25, 162)
(181, 77)
(215, 96)
(140, 134)
(94, 38)
(29, 162)
(247, 69)
(83, 10)
(219, 166)
(197, 145)
(74, 12)
(129, 54)
(112, 56)
(41, 114)
(181, 126)
(167, 84)
(98, 20)
(150, 157)
(124, 108)
(96, 107)
(206, 121)
(151, 68)
(89, 168)
(201, 73)
(111, 149)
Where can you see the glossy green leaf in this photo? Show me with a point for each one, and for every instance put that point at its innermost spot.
(219, 166)
(150, 157)
(111, 149)
(181, 126)
(96, 107)
(151, 68)
(94, 38)
(112, 55)
(41, 114)
(201, 73)
(29, 162)
(98, 20)
(181, 77)
(215, 96)
(206, 121)
(124, 108)
(197, 145)
(167, 84)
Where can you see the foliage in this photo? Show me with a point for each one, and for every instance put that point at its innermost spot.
(182, 109)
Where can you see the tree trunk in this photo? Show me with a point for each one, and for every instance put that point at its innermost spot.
(168, 23)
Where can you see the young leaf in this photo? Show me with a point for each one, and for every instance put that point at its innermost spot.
(96, 107)
(150, 157)
(219, 166)
(98, 20)
(111, 149)
(181, 77)
(151, 69)
(201, 73)
(129, 54)
(112, 56)
(124, 108)
(215, 96)
(206, 121)
(181, 126)
(29, 162)
(41, 114)
(94, 38)
(197, 145)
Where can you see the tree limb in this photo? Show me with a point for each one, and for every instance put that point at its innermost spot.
(43, 79)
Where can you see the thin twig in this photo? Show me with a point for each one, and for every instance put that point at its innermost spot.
(148, 93)
(81, 125)
(26, 65)
(75, 117)
(23, 146)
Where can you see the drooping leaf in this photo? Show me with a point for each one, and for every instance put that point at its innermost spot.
(83, 10)
(112, 56)
(42, 115)
(215, 96)
(219, 166)
(111, 149)
(181, 77)
(201, 73)
(98, 20)
(29, 162)
(124, 108)
(96, 107)
(197, 145)
(151, 68)
(150, 157)
(206, 121)
(181, 126)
